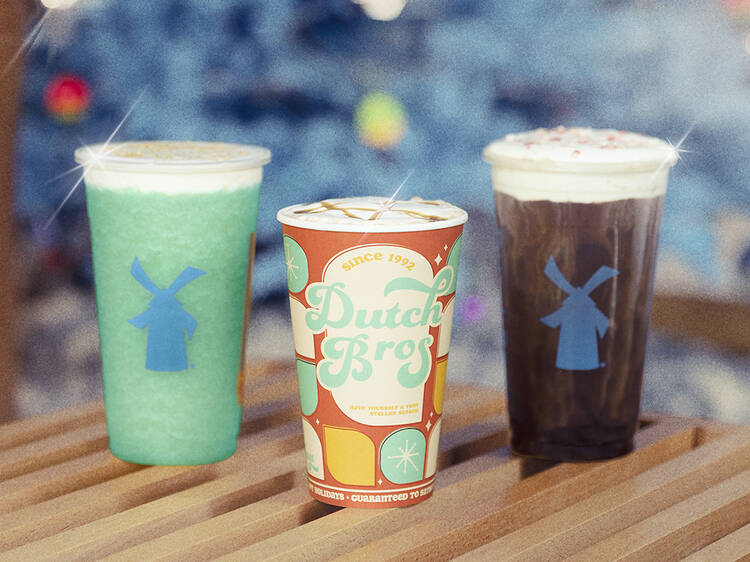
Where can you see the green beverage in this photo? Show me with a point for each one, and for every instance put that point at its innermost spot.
(172, 235)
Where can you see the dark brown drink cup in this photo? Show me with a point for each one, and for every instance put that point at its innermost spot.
(579, 213)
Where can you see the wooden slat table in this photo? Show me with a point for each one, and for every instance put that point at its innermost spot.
(684, 492)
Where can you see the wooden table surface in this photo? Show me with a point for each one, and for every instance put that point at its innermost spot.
(684, 492)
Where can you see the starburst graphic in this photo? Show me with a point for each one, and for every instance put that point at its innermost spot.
(428, 425)
(405, 456)
(291, 267)
(438, 259)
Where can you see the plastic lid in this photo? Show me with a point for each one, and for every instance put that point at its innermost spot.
(173, 156)
(373, 214)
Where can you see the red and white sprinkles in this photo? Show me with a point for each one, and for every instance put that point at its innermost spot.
(581, 144)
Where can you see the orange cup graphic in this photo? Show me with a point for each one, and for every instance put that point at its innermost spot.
(372, 286)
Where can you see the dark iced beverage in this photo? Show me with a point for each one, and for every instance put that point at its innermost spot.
(579, 213)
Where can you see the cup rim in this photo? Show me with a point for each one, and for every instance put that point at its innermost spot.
(100, 156)
(284, 217)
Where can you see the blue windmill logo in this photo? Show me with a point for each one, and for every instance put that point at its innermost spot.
(166, 320)
(579, 320)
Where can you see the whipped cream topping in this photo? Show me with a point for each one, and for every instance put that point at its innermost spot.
(581, 146)
(373, 214)
(580, 165)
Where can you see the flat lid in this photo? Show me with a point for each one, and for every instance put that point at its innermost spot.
(373, 214)
(173, 156)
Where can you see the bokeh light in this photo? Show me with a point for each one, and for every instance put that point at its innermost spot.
(58, 4)
(382, 10)
(380, 120)
(472, 309)
(67, 97)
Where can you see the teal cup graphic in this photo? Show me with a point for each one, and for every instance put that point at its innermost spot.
(579, 213)
(172, 235)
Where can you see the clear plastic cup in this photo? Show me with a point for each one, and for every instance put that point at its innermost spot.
(172, 234)
(579, 213)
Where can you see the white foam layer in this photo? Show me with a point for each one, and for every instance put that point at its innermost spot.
(529, 185)
(173, 166)
(580, 164)
(581, 146)
(373, 214)
(173, 183)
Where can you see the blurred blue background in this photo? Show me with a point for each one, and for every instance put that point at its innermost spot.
(353, 96)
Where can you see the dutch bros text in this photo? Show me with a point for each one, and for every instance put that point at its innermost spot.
(354, 354)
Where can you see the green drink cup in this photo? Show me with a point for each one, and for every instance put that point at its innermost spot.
(172, 235)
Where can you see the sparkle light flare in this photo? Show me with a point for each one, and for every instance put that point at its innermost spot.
(95, 160)
(388, 204)
(678, 151)
(27, 44)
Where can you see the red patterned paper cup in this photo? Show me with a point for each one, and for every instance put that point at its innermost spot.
(372, 290)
